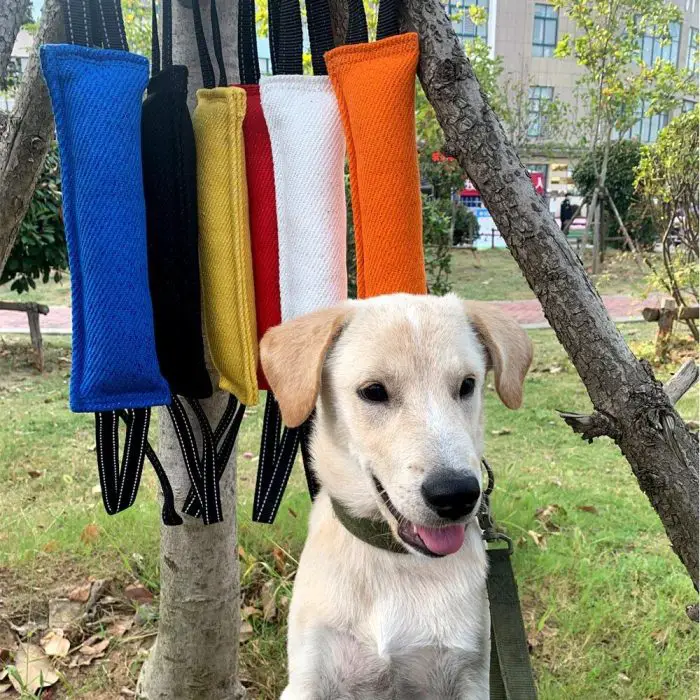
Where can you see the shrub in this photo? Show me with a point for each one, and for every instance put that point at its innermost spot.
(40, 249)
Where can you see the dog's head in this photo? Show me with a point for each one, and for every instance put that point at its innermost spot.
(398, 384)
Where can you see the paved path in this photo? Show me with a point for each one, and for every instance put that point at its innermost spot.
(528, 312)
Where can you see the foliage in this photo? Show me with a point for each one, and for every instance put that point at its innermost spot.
(667, 185)
(137, 24)
(622, 164)
(40, 248)
(608, 45)
(437, 219)
(466, 225)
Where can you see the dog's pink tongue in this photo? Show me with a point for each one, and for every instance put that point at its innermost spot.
(442, 540)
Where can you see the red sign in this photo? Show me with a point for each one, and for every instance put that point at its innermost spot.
(536, 178)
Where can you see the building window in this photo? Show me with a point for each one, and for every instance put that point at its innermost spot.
(688, 106)
(691, 62)
(540, 96)
(654, 47)
(458, 11)
(472, 201)
(646, 129)
(544, 31)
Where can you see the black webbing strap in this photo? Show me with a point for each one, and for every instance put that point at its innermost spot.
(120, 485)
(304, 440)
(272, 478)
(208, 80)
(388, 19)
(155, 43)
(218, 50)
(248, 65)
(169, 512)
(227, 430)
(97, 23)
(510, 673)
(273, 35)
(357, 23)
(318, 18)
(156, 66)
(291, 39)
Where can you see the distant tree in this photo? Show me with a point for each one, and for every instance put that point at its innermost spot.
(667, 186)
(622, 170)
(618, 86)
(40, 250)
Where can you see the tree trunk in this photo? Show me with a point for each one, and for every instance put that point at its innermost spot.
(195, 656)
(631, 405)
(597, 228)
(12, 14)
(28, 135)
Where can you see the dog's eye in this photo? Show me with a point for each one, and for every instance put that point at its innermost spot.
(467, 388)
(374, 393)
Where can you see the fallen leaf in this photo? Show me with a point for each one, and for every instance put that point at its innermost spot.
(624, 678)
(248, 455)
(81, 594)
(250, 611)
(538, 539)
(34, 473)
(502, 431)
(246, 631)
(33, 668)
(555, 370)
(588, 509)
(96, 649)
(660, 637)
(50, 546)
(120, 627)
(280, 559)
(138, 593)
(267, 596)
(90, 534)
(292, 512)
(55, 644)
(545, 515)
(96, 490)
(64, 614)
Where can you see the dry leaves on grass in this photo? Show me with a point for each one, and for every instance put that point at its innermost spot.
(246, 631)
(33, 670)
(546, 516)
(55, 644)
(138, 593)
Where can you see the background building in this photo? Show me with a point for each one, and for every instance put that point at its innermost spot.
(525, 32)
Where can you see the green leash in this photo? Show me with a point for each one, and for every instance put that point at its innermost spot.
(510, 673)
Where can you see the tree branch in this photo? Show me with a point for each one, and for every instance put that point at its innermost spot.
(28, 135)
(12, 14)
(651, 435)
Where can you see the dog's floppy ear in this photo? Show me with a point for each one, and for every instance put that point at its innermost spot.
(509, 349)
(292, 356)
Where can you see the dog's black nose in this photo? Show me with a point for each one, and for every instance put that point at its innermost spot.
(450, 494)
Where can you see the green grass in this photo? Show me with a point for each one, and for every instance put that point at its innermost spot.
(52, 293)
(493, 275)
(603, 595)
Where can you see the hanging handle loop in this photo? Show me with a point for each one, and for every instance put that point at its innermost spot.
(248, 64)
(208, 78)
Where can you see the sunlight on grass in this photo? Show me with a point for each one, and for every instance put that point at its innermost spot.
(603, 595)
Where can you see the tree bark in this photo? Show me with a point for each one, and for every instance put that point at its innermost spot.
(195, 656)
(662, 452)
(12, 14)
(27, 136)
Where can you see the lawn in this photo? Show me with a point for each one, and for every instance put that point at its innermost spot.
(603, 595)
(492, 275)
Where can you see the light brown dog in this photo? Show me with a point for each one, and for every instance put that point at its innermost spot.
(398, 610)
